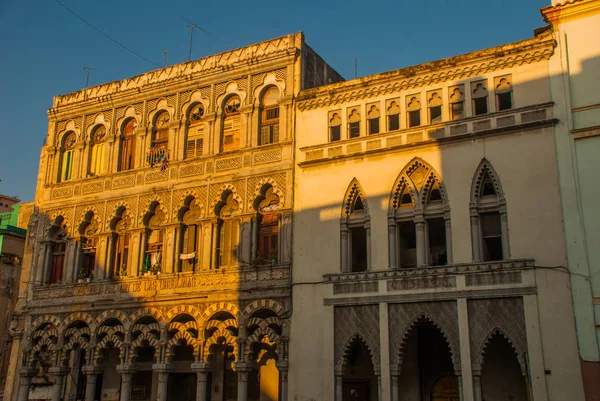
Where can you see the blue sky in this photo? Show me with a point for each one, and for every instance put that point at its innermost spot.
(43, 48)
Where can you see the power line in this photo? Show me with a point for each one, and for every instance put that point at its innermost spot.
(105, 35)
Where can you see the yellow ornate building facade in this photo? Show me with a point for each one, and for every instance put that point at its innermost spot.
(159, 254)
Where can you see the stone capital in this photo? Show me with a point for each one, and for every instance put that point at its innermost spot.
(126, 368)
(59, 370)
(202, 367)
(162, 367)
(92, 369)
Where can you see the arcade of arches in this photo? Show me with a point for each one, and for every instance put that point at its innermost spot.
(182, 354)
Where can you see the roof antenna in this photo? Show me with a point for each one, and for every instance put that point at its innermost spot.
(164, 52)
(191, 39)
(193, 25)
(89, 70)
(355, 68)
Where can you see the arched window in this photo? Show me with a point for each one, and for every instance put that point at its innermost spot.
(373, 119)
(230, 136)
(419, 219)
(413, 109)
(127, 145)
(189, 235)
(269, 117)
(489, 223)
(335, 127)
(393, 115)
(96, 166)
(227, 230)
(57, 235)
(121, 238)
(67, 157)
(153, 261)
(195, 139)
(267, 228)
(88, 231)
(355, 229)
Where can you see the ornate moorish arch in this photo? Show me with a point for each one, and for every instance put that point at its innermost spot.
(418, 177)
(404, 317)
(485, 169)
(221, 307)
(260, 304)
(82, 316)
(259, 191)
(219, 198)
(353, 194)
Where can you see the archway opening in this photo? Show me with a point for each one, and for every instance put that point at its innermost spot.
(501, 376)
(427, 371)
(359, 381)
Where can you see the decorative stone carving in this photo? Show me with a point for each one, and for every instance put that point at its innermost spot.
(352, 321)
(402, 318)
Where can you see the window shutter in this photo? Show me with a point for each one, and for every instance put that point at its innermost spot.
(265, 135)
(191, 148)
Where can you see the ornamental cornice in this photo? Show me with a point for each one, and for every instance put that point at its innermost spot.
(180, 73)
(570, 10)
(453, 68)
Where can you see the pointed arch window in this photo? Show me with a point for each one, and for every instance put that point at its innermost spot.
(489, 222)
(96, 166)
(267, 227)
(67, 157)
(127, 145)
(269, 117)
(355, 234)
(121, 238)
(227, 230)
(195, 140)
(419, 219)
(88, 231)
(230, 135)
(153, 261)
(189, 236)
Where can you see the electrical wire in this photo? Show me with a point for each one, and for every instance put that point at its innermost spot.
(106, 35)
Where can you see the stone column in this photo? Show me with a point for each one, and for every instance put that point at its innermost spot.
(338, 387)
(384, 353)
(421, 241)
(368, 235)
(504, 231)
(392, 243)
(448, 239)
(59, 374)
(26, 375)
(202, 369)
(283, 374)
(126, 372)
(395, 378)
(475, 238)
(344, 247)
(254, 238)
(477, 384)
(465, 371)
(242, 370)
(91, 373)
(535, 352)
(163, 380)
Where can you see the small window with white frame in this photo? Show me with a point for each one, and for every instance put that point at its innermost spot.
(354, 122)
(479, 94)
(503, 89)
(392, 107)
(335, 125)
(434, 104)
(457, 102)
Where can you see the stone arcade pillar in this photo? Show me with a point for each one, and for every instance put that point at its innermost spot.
(478, 395)
(421, 241)
(59, 374)
(202, 369)
(126, 372)
(344, 240)
(242, 370)
(338, 385)
(475, 236)
(163, 370)
(282, 367)
(392, 242)
(26, 374)
(395, 379)
(91, 373)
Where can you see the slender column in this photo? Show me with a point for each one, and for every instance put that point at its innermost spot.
(448, 239)
(202, 369)
(90, 384)
(504, 230)
(59, 374)
(477, 385)
(368, 235)
(461, 395)
(465, 372)
(283, 374)
(126, 374)
(43, 271)
(392, 242)
(535, 352)
(163, 381)
(338, 387)
(395, 389)
(421, 243)
(475, 236)
(25, 382)
(344, 247)
(384, 352)
(242, 383)
(254, 239)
